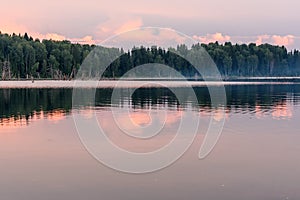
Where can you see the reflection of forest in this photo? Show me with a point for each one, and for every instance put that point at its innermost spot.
(23, 105)
(23, 120)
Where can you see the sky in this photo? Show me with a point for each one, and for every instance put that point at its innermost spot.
(92, 21)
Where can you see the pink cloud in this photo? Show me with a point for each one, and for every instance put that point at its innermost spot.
(54, 36)
(147, 36)
(48, 36)
(10, 27)
(84, 40)
(212, 38)
(283, 40)
(117, 25)
(129, 25)
(262, 39)
(286, 40)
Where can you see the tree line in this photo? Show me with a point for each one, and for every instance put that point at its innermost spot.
(21, 56)
(24, 57)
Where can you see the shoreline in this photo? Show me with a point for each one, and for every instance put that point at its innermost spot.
(130, 83)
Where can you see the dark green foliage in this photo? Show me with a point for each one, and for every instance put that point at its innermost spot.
(62, 59)
(46, 59)
(252, 60)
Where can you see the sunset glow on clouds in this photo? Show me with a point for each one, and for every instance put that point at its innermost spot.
(14, 28)
(114, 27)
(212, 38)
(285, 40)
(54, 36)
(93, 21)
(262, 39)
(129, 25)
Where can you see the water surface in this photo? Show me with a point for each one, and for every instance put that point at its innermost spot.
(257, 156)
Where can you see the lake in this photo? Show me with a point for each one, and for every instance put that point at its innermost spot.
(256, 157)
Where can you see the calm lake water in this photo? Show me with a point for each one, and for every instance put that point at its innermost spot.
(256, 157)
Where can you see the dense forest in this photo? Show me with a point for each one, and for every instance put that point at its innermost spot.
(21, 56)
